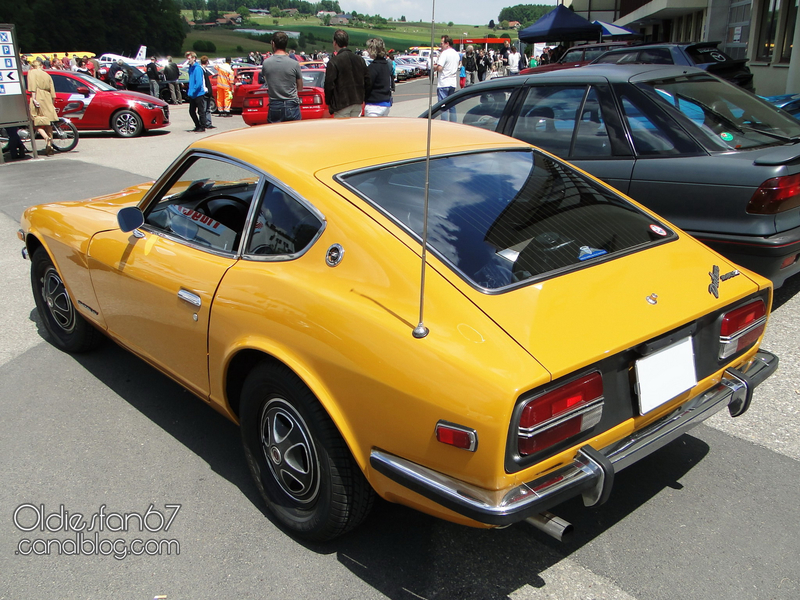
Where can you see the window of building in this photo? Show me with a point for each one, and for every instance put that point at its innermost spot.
(767, 29)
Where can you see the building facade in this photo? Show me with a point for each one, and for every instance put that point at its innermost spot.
(766, 32)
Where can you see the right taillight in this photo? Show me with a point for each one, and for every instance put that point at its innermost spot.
(741, 327)
(253, 102)
(560, 414)
(776, 195)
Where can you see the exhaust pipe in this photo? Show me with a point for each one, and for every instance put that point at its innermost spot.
(552, 525)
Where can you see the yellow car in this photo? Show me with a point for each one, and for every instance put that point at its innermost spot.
(552, 333)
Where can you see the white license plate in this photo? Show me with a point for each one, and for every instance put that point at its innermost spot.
(664, 375)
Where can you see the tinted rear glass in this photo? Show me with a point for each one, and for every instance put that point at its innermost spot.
(505, 218)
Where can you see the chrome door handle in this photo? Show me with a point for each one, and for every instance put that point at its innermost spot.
(189, 297)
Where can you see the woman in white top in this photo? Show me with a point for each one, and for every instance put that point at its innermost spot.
(513, 61)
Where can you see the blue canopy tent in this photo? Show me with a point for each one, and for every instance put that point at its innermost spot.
(560, 25)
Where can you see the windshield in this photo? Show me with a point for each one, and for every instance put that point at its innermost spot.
(92, 82)
(725, 115)
(503, 218)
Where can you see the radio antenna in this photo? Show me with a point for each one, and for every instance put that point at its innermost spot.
(420, 331)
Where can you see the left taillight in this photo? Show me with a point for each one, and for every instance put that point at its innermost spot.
(741, 327)
(776, 195)
(560, 414)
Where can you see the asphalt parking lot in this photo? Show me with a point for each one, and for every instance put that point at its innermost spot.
(712, 516)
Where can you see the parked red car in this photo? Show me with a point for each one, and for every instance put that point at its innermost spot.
(312, 99)
(93, 105)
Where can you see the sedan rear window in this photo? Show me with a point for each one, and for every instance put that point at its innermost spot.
(505, 218)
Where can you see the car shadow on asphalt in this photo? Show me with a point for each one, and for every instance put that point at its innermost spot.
(398, 551)
(786, 292)
(99, 135)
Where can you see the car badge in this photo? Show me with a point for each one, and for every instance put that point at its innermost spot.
(587, 252)
(334, 255)
(716, 278)
(658, 230)
(652, 299)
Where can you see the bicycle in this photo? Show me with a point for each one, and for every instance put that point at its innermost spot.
(65, 137)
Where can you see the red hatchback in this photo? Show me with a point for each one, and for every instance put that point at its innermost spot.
(312, 99)
(93, 105)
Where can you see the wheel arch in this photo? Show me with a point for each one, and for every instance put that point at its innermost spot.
(245, 359)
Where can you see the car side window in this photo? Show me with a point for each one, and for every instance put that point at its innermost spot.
(547, 118)
(206, 204)
(649, 138)
(65, 85)
(283, 226)
(480, 110)
(573, 56)
(656, 56)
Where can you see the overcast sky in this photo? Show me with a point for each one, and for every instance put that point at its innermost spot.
(471, 12)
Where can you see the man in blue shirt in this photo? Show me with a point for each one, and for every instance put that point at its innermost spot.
(196, 93)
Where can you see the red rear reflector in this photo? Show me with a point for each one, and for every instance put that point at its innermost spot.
(740, 328)
(456, 435)
(776, 195)
(546, 420)
(789, 261)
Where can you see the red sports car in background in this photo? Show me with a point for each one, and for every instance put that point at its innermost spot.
(312, 99)
(93, 105)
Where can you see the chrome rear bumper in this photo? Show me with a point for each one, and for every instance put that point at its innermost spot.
(591, 473)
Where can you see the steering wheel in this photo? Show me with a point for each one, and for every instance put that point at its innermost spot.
(202, 206)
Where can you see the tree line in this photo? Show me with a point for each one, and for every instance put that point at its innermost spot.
(526, 14)
(118, 26)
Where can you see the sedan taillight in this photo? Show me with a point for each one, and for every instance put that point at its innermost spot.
(742, 327)
(253, 102)
(776, 195)
(561, 413)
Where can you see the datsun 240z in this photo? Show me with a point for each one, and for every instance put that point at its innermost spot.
(560, 333)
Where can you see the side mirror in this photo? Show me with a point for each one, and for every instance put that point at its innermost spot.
(130, 218)
(83, 90)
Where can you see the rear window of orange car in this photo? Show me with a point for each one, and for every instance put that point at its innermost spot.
(506, 218)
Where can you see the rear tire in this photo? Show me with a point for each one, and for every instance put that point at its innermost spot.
(69, 330)
(299, 461)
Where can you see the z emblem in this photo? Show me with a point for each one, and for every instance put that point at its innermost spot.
(713, 287)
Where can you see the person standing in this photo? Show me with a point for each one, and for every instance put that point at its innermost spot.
(171, 74)
(40, 87)
(152, 74)
(379, 99)
(504, 52)
(484, 64)
(209, 91)
(66, 62)
(196, 93)
(284, 80)
(470, 64)
(513, 61)
(447, 69)
(346, 79)
(224, 87)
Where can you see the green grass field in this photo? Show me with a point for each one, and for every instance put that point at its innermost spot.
(395, 35)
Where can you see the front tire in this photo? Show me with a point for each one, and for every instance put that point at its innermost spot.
(69, 330)
(299, 461)
(127, 124)
(65, 136)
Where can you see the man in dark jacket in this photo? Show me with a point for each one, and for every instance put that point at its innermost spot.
(172, 74)
(347, 80)
(153, 75)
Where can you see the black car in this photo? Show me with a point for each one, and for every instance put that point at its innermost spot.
(717, 161)
(704, 55)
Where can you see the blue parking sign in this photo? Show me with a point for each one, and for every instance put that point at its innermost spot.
(6, 50)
